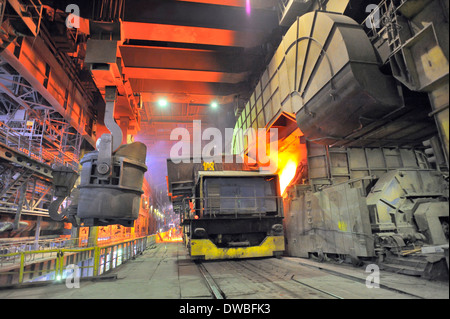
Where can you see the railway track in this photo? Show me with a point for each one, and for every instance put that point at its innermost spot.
(277, 280)
(215, 290)
(260, 281)
(280, 279)
(356, 279)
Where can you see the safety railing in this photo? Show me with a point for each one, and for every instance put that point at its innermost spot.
(382, 16)
(29, 140)
(57, 264)
(54, 243)
(42, 245)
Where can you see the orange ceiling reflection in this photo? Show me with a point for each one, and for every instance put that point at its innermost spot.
(188, 34)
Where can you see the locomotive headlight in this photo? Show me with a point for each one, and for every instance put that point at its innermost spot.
(200, 232)
(277, 228)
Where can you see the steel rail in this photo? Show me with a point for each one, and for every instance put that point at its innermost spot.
(213, 287)
(297, 281)
(356, 279)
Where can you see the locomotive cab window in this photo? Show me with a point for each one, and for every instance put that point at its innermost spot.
(229, 195)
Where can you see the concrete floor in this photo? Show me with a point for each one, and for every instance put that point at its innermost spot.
(161, 273)
(166, 272)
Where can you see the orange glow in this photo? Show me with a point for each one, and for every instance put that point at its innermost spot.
(171, 236)
(188, 34)
(291, 154)
(287, 174)
(83, 237)
(113, 234)
(185, 75)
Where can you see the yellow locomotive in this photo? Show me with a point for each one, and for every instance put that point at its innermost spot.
(227, 213)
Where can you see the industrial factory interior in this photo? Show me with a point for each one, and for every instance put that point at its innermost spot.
(237, 152)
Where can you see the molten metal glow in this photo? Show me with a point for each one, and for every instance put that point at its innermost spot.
(248, 7)
(171, 236)
(287, 174)
(286, 156)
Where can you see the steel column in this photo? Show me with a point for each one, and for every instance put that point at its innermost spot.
(22, 193)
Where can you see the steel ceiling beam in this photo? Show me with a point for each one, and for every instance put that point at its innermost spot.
(185, 91)
(192, 35)
(188, 59)
(185, 97)
(210, 14)
(185, 75)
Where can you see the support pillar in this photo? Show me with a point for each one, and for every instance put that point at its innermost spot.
(75, 235)
(93, 236)
(37, 233)
(22, 193)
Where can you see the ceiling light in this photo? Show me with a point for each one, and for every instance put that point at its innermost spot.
(162, 103)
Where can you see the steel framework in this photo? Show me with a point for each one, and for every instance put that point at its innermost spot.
(30, 125)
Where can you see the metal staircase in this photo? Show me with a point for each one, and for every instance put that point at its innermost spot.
(13, 186)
